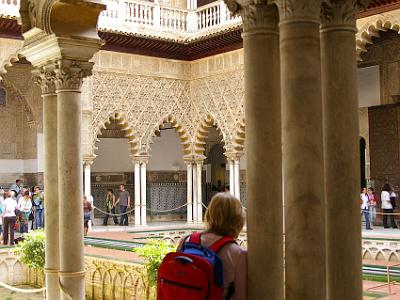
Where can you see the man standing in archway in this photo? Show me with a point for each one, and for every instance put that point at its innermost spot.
(124, 200)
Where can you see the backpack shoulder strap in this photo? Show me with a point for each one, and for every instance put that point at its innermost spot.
(195, 238)
(218, 245)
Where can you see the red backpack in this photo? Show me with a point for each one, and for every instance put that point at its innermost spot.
(192, 273)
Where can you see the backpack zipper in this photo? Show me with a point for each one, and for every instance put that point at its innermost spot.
(197, 288)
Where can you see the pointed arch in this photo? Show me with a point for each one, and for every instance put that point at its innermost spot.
(370, 27)
(10, 87)
(12, 55)
(202, 134)
(123, 125)
(239, 137)
(179, 129)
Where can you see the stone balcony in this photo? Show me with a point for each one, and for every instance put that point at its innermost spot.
(154, 20)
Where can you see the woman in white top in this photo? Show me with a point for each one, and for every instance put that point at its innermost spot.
(24, 206)
(365, 207)
(9, 217)
(387, 207)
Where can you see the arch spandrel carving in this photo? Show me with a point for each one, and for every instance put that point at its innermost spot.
(144, 101)
(9, 54)
(221, 99)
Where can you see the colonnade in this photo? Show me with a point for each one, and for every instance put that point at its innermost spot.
(301, 134)
(60, 65)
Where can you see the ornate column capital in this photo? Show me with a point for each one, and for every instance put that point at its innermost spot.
(88, 159)
(45, 78)
(339, 13)
(141, 159)
(69, 74)
(299, 10)
(257, 16)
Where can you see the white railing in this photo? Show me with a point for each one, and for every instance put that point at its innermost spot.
(173, 19)
(136, 16)
(9, 8)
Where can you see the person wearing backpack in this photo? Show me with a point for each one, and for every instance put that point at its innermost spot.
(215, 267)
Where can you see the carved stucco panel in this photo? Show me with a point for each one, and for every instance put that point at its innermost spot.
(144, 102)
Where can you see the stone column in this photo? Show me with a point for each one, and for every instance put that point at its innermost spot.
(231, 176)
(341, 150)
(237, 178)
(143, 215)
(195, 194)
(69, 77)
(303, 161)
(199, 169)
(189, 192)
(45, 77)
(87, 184)
(263, 143)
(137, 193)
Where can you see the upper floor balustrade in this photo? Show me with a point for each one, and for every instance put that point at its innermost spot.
(152, 19)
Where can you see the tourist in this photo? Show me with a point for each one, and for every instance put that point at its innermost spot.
(124, 200)
(87, 208)
(24, 206)
(110, 207)
(9, 217)
(38, 207)
(365, 207)
(17, 186)
(387, 206)
(372, 205)
(224, 217)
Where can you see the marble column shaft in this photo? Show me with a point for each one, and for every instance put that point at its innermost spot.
(137, 193)
(189, 192)
(303, 161)
(195, 195)
(231, 177)
(87, 184)
(237, 178)
(143, 197)
(52, 257)
(341, 150)
(263, 143)
(69, 77)
(199, 168)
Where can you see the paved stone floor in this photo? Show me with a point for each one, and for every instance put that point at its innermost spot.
(381, 293)
(8, 295)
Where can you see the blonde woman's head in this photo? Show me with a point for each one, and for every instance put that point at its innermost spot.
(224, 215)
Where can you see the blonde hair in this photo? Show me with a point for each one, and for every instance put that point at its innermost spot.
(224, 215)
